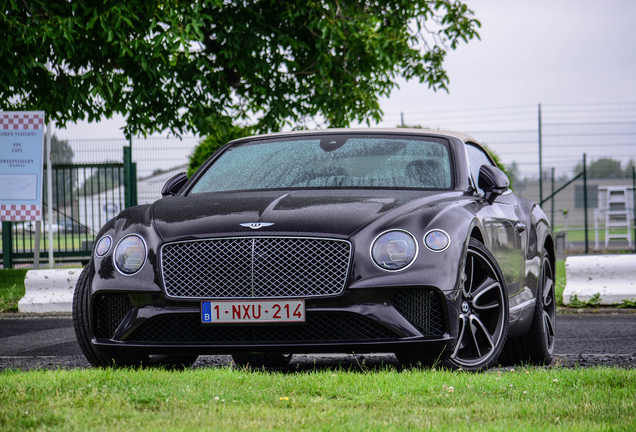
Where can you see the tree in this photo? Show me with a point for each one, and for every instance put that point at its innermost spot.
(513, 173)
(207, 65)
(629, 169)
(101, 179)
(604, 168)
(61, 152)
(213, 142)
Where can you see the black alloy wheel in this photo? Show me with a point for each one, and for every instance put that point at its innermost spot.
(545, 349)
(483, 315)
(81, 323)
(537, 346)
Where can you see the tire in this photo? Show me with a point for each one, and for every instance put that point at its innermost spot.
(483, 317)
(258, 361)
(537, 346)
(81, 323)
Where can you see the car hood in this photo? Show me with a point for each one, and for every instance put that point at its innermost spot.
(340, 213)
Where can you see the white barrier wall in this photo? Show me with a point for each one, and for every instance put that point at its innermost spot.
(612, 277)
(49, 290)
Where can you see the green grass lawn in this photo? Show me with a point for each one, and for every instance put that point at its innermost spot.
(526, 399)
(11, 289)
(577, 234)
(559, 283)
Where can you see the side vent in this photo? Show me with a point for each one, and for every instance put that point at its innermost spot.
(422, 308)
(109, 311)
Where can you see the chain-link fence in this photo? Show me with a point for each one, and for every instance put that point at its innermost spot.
(551, 140)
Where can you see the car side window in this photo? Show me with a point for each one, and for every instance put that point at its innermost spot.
(476, 158)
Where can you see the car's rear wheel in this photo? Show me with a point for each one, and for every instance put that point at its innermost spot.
(537, 346)
(483, 315)
(266, 360)
(81, 323)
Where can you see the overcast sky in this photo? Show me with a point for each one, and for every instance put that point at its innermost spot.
(531, 51)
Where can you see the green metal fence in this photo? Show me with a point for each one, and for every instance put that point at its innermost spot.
(85, 197)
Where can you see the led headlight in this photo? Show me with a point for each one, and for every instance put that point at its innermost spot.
(130, 254)
(103, 246)
(394, 250)
(437, 240)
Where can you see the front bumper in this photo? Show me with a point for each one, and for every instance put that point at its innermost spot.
(362, 321)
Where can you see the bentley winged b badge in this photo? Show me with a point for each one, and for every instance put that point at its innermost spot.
(256, 225)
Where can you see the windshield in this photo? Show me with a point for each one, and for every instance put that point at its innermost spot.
(331, 161)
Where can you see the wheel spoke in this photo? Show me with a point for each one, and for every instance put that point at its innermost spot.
(484, 288)
(548, 329)
(473, 330)
(476, 323)
(460, 338)
(547, 292)
(470, 283)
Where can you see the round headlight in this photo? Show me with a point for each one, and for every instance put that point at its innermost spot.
(103, 246)
(130, 254)
(394, 250)
(437, 240)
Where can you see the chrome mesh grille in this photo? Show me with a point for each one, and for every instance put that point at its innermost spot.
(255, 267)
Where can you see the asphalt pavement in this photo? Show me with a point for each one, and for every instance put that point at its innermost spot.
(582, 339)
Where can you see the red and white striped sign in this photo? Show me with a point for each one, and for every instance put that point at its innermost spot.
(21, 121)
(16, 212)
(21, 167)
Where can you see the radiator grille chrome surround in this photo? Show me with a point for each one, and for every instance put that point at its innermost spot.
(255, 267)
(422, 308)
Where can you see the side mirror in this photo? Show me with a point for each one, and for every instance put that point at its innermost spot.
(493, 181)
(174, 185)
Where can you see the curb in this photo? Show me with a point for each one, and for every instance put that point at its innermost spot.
(49, 291)
(602, 279)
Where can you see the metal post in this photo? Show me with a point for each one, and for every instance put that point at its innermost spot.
(552, 200)
(634, 203)
(130, 177)
(49, 192)
(36, 254)
(127, 177)
(540, 160)
(402, 119)
(7, 245)
(585, 199)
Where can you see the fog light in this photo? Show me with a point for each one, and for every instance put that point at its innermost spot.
(437, 240)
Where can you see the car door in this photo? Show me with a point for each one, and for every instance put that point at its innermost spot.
(506, 231)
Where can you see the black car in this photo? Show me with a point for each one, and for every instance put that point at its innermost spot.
(332, 241)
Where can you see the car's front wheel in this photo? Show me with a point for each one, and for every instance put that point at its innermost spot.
(483, 314)
(81, 323)
(483, 317)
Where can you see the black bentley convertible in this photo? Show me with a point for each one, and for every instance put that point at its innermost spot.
(332, 241)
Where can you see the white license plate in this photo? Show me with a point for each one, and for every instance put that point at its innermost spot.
(262, 311)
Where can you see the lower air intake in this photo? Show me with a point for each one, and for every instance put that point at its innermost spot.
(110, 310)
(317, 328)
(422, 308)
